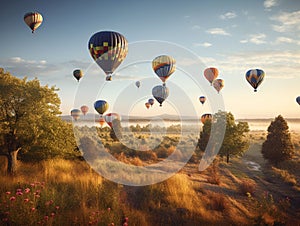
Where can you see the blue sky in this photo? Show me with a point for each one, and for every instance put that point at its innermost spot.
(232, 35)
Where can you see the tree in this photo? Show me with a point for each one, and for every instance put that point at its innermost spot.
(29, 121)
(234, 142)
(278, 146)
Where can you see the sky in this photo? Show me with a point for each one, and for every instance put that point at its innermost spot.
(233, 36)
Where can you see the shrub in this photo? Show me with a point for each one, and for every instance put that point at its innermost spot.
(247, 187)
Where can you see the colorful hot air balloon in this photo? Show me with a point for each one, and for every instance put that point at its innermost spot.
(75, 113)
(202, 99)
(298, 100)
(33, 20)
(101, 106)
(160, 93)
(205, 117)
(138, 84)
(84, 109)
(211, 74)
(101, 121)
(151, 101)
(110, 117)
(255, 77)
(218, 84)
(108, 49)
(147, 104)
(78, 74)
(164, 66)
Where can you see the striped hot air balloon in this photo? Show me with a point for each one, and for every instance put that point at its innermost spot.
(75, 113)
(202, 99)
(101, 106)
(33, 20)
(108, 49)
(205, 117)
(211, 74)
(110, 117)
(218, 84)
(160, 93)
(78, 74)
(163, 67)
(255, 77)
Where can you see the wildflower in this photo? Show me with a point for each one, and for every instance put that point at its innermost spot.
(126, 219)
(32, 209)
(8, 192)
(46, 218)
(32, 185)
(19, 193)
(52, 214)
(108, 209)
(13, 198)
(37, 196)
(19, 190)
(27, 190)
(26, 200)
(125, 224)
(5, 219)
(57, 207)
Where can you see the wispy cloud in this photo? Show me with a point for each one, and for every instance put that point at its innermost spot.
(196, 27)
(288, 21)
(268, 4)
(228, 15)
(204, 44)
(217, 31)
(287, 40)
(258, 38)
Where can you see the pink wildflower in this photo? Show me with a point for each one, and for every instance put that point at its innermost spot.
(125, 224)
(32, 209)
(26, 200)
(27, 190)
(108, 209)
(8, 192)
(57, 207)
(13, 198)
(19, 193)
(46, 218)
(52, 214)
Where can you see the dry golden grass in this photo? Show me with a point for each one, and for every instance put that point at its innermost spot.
(285, 176)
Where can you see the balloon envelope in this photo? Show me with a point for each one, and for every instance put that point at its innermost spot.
(205, 117)
(202, 99)
(147, 104)
(211, 74)
(75, 113)
(255, 77)
(78, 74)
(101, 106)
(151, 101)
(138, 84)
(164, 66)
(108, 49)
(110, 117)
(84, 109)
(160, 93)
(298, 100)
(33, 20)
(218, 84)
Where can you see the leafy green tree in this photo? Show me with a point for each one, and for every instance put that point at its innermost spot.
(278, 146)
(30, 123)
(234, 142)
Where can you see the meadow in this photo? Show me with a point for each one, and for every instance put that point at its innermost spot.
(246, 191)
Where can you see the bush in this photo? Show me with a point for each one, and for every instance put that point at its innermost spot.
(247, 187)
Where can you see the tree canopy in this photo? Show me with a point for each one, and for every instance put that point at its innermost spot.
(278, 146)
(234, 142)
(30, 123)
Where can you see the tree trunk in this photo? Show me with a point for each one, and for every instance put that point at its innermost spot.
(12, 162)
(227, 158)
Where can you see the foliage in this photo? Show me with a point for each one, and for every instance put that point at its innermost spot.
(278, 146)
(234, 142)
(29, 121)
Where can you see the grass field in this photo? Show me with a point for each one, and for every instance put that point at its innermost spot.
(247, 191)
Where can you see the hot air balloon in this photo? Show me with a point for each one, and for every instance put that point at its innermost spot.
(108, 49)
(110, 117)
(138, 84)
(33, 20)
(84, 109)
(298, 100)
(218, 84)
(101, 121)
(75, 113)
(160, 93)
(78, 74)
(205, 117)
(202, 99)
(151, 101)
(147, 104)
(164, 66)
(255, 77)
(101, 106)
(211, 74)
